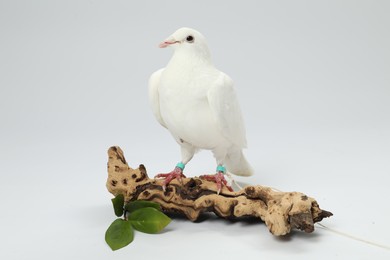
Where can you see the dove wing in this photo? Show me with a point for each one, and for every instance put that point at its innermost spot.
(226, 110)
(154, 99)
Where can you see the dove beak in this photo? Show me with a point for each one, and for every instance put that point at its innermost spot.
(167, 43)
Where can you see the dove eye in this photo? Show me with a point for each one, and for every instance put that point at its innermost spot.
(190, 39)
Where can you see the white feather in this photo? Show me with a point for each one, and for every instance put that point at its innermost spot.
(226, 110)
(154, 98)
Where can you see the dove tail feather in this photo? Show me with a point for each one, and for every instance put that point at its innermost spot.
(237, 164)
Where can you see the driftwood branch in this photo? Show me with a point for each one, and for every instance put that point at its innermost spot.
(281, 211)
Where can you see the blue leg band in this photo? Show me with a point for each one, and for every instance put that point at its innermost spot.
(221, 168)
(180, 165)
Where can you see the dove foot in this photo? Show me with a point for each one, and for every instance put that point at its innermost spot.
(219, 179)
(177, 173)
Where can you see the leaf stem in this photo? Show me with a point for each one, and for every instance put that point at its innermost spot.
(125, 214)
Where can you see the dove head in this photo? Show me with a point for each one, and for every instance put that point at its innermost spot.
(187, 40)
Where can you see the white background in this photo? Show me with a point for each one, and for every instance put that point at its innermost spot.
(314, 86)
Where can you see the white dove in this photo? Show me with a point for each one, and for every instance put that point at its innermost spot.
(197, 103)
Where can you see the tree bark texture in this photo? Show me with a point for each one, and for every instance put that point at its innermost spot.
(281, 211)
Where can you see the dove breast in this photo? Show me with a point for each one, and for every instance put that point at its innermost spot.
(185, 109)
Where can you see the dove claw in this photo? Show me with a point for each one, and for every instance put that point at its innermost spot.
(219, 179)
(177, 173)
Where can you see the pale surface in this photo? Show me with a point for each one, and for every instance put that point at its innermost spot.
(316, 105)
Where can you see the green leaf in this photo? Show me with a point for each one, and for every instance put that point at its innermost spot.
(118, 203)
(119, 234)
(139, 204)
(149, 220)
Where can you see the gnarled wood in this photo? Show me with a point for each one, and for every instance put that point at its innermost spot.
(281, 211)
